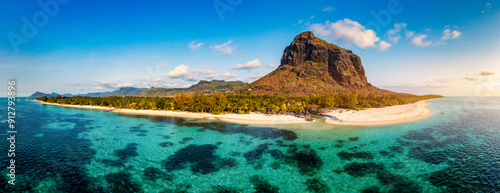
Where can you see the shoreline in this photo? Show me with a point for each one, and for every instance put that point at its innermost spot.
(380, 116)
(247, 119)
(366, 117)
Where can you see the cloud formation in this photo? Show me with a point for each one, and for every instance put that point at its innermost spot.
(100, 85)
(329, 9)
(179, 71)
(193, 46)
(223, 49)
(254, 77)
(448, 34)
(393, 34)
(183, 72)
(483, 75)
(351, 33)
(249, 65)
(486, 73)
(488, 7)
(419, 40)
(229, 76)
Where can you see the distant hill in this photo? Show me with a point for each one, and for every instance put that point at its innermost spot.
(311, 66)
(123, 91)
(53, 94)
(206, 87)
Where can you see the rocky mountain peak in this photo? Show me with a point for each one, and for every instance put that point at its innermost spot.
(342, 65)
(312, 66)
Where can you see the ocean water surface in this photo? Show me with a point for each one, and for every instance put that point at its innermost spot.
(455, 149)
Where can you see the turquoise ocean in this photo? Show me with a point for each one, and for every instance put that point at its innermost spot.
(455, 149)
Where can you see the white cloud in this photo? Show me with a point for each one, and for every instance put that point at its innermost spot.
(306, 22)
(299, 22)
(80, 88)
(471, 78)
(249, 65)
(97, 88)
(483, 76)
(254, 77)
(271, 66)
(329, 9)
(179, 71)
(124, 85)
(486, 73)
(383, 45)
(193, 46)
(448, 34)
(420, 41)
(223, 49)
(229, 76)
(110, 85)
(182, 71)
(349, 32)
(488, 7)
(209, 74)
(409, 34)
(393, 34)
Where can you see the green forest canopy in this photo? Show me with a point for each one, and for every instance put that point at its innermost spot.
(243, 103)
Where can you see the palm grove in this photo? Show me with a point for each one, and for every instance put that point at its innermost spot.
(243, 103)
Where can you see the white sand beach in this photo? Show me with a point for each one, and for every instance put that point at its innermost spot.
(250, 119)
(379, 116)
(373, 116)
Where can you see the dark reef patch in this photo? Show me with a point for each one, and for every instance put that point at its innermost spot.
(384, 153)
(280, 143)
(353, 138)
(201, 159)
(317, 186)
(371, 189)
(398, 183)
(359, 155)
(153, 174)
(186, 139)
(167, 144)
(434, 157)
(137, 129)
(256, 154)
(261, 185)
(129, 151)
(305, 159)
(396, 149)
(224, 127)
(225, 189)
(422, 135)
(276, 154)
(234, 154)
(122, 182)
(361, 169)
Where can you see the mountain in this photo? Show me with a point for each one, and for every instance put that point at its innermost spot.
(312, 66)
(206, 87)
(123, 91)
(53, 94)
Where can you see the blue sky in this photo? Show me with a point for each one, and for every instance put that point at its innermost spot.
(419, 47)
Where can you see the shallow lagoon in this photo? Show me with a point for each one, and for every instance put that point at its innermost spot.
(457, 148)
